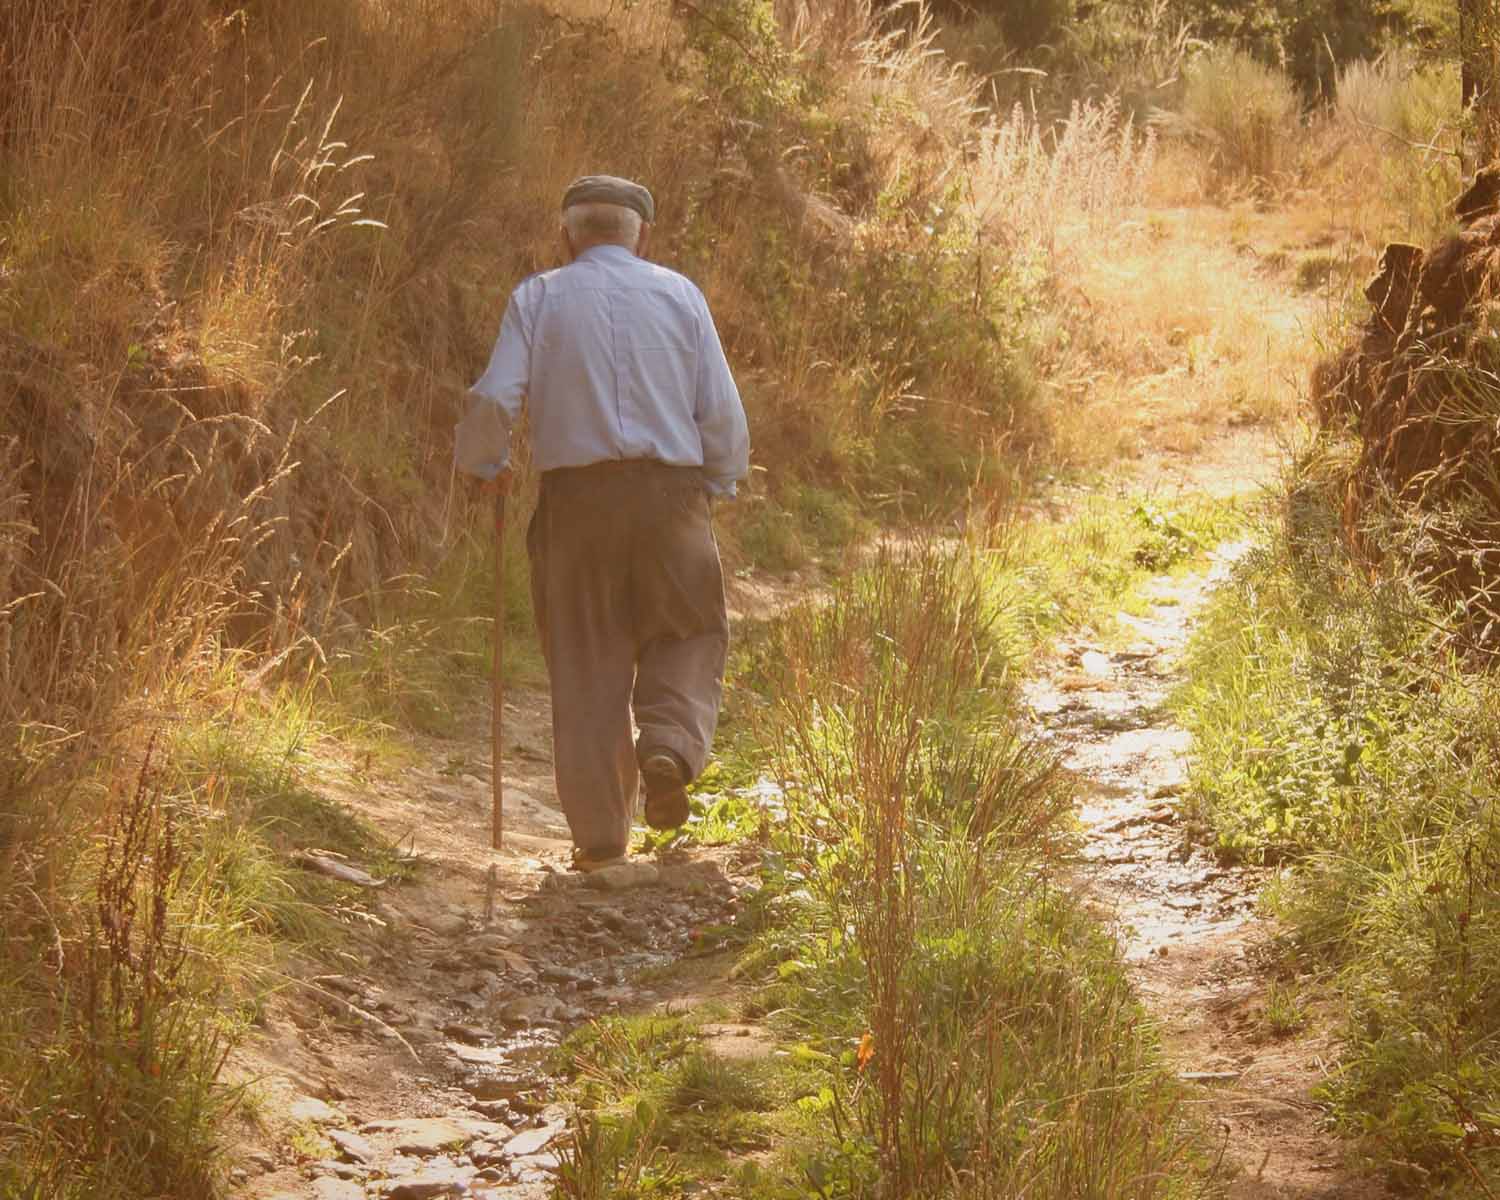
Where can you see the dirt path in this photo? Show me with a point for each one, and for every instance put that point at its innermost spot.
(419, 1068)
(1187, 924)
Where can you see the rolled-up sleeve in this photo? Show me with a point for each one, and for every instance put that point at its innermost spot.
(481, 442)
(719, 414)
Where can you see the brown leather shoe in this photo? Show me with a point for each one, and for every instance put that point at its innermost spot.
(666, 790)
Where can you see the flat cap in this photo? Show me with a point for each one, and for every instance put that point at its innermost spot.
(610, 189)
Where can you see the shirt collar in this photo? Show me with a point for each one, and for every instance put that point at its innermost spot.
(608, 252)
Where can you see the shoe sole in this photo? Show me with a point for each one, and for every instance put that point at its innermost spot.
(666, 795)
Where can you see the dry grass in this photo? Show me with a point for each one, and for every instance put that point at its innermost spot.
(1191, 324)
(237, 323)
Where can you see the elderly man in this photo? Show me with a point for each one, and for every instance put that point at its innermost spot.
(635, 424)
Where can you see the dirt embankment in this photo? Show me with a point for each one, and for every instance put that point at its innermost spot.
(1420, 390)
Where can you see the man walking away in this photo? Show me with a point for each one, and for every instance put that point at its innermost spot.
(635, 423)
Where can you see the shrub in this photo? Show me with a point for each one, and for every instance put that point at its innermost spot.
(1402, 120)
(1309, 39)
(1243, 113)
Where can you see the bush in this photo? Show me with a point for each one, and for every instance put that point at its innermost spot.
(1401, 121)
(1244, 113)
(1396, 96)
(1308, 39)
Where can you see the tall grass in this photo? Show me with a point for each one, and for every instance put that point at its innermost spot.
(923, 821)
(249, 256)
(1245, 116)
(951, 1021)
(1401, 120)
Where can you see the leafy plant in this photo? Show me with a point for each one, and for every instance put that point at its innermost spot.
(1166, 543)
(1333, 729)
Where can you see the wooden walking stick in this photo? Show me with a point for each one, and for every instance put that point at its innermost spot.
(497, 684)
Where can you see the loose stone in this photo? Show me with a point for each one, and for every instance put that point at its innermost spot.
(428, 1184)
(352, 1146)
(319, 1112)
(337, 1189)
(623, 877)
(533, 1140)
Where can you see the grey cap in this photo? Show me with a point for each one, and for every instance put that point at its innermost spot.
(610, 189)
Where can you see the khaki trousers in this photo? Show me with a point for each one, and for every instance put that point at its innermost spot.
(629, 600)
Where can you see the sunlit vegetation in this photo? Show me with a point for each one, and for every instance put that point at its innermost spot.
(250, 256)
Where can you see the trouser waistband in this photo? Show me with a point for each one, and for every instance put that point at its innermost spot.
(622, 466)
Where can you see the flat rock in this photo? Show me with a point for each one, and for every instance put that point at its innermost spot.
(341, 1169)
(532, 1165)
(526, 1009)
(478, 1129)
(473, 1034)
(623, 876)
(352, 1146)
(422, 1137)
(319, 1112)
(1096, 663)
(449, 925)
(440, 1181)
(479, 1056)
(531, 1142)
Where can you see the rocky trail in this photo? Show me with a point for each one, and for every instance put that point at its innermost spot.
(1187, 923)
(421, 1070)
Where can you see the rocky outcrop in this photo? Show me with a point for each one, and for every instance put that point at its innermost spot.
(1420, 388)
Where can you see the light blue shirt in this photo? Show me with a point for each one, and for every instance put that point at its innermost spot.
(616, 358)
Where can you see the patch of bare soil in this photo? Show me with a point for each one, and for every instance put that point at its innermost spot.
(418, 1067)
(1187, 923)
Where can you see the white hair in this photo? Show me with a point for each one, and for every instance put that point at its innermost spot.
(594, 221)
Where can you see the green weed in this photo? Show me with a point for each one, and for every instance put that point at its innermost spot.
(1331, 727)
(1284, 1013)
(704, 1081)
